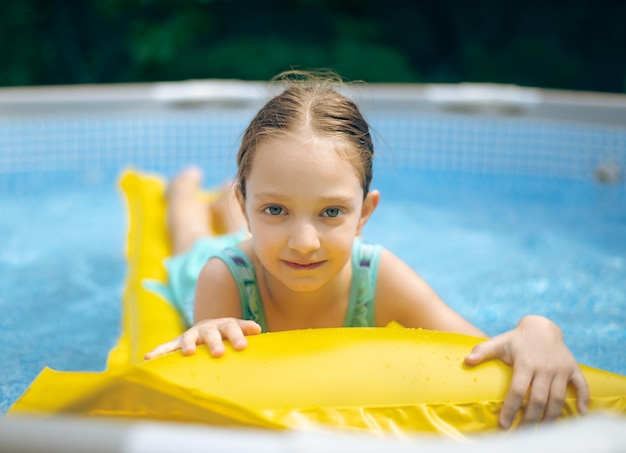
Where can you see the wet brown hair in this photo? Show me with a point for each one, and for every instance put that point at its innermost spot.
(310, 101)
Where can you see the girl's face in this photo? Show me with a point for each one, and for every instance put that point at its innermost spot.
(304, 206)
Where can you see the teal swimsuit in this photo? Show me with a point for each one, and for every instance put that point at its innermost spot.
(183, 271)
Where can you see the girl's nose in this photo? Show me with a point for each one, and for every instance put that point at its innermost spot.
(304, 238)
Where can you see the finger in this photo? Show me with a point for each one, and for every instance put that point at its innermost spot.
(495, 348)
(213, 339)
(537, 399)
(556, 399)
(188, 341)
(514, 398)
(232, 331)
(582, 391)
(249, 327)
(163, 349)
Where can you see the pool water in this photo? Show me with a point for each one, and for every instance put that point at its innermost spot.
(500, 249)
(494, 247)
(62, 266)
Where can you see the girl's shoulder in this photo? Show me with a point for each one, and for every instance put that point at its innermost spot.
(401, 294)
(225, 266)
(217, 290)
(217, 294)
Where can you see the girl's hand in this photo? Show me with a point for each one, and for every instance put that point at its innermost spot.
(543, 366)
(211, 332)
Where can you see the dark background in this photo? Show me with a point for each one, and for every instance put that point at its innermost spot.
(570, 44)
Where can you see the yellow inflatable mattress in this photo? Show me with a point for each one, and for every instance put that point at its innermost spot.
(392, 381)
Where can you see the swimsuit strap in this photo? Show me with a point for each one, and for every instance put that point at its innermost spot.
(244, 274)
(365, 260)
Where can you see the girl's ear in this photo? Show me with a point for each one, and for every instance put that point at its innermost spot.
(369, 206)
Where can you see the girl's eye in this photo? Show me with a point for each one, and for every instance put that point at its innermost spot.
(274, 210)
(332, 212)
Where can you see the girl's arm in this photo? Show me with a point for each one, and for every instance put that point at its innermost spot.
(217, 310)
(542, 364)
(403, 296)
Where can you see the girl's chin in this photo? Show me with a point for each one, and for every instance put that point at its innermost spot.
(301, 284)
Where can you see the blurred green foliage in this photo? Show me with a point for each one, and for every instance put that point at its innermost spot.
(573, 44)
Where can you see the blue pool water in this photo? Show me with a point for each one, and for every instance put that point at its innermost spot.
(494, 245)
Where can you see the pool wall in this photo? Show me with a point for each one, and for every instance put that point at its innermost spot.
(87, 134)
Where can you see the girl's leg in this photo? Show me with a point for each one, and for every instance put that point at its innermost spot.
(188, 216)
(226, 212)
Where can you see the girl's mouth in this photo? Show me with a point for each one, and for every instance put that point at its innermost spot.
(303, 266)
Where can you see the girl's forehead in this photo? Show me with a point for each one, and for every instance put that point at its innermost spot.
(303, 164)
(304, 148)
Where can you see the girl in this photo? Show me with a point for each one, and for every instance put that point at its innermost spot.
(303, 189)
